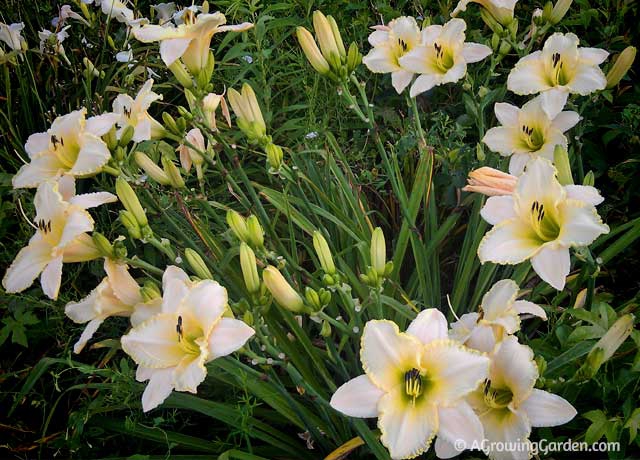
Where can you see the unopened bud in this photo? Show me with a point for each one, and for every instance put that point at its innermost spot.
(325, 331)
(131, 224)
(354, 58)
(249, 268)
(324, 253)
(337, 37)
(311, 51)
(150, 291)
(103, 244)
(170, 123)
(255, 232)
(130, 201)
(378, 252)
(325, 36)
(622, 65)
(313, 299)
(172, 171)
(238, 225)
(127, 135)
(559, 11)
(561, 161)
(281, 290)
(180, 72)
(153, 170)
(615, 336)
(589, 179)
(274, 155)
(198, 265)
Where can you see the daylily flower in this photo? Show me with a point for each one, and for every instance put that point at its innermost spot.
(442, 57)
(560, 66)
(189, 41)
(165, 11)
(498, 317)
(134, 112)
(534, 130)
(117, 10)
(414, 383)
(52, 41)
(116, 295)
(192, 329)
(490, 182)
(501, 10)
(390, 43)
(508, 404)
(72, 146)
(61, 236)
(540, 221)
(12, 35)
(65, 13)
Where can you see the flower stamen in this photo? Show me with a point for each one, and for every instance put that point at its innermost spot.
(413, 384)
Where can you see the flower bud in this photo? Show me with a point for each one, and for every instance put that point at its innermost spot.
(589, 179)
(172, 171)
(354, 58)
(110, 139)
(127, 135)
(130, 201)
(274, 155)
(615, 336)
(91, 69)
(325, 36)
(559, 11)
(490, 182)
(547, 10)
(249, 268)
(238, 225)
(245, 106)
(170, 123)
(281, 290)
(313, 299)
(311, 50)
(103, 244)
(561, 162)
(490, 21)
(180, 72)
(150, 291)
(255, 234)
(622, 65)
(324, 253)
(325, 331)
(191, 99)
(131, 224)
(337, 37)
(537, 17)
(153, 170)
(378, 252)
(198, 265)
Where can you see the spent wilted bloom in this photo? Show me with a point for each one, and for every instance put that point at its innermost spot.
(192, 328)
(210, 104)
(134, 112)
(65, 13)
(561, 66)
(189, 41)
(71, 146)
(508, 404)
(490, 182)
(531, 131)
(540, 221)
(116, 295)
(501, 10)
(415, 383)
(390, 43)
(12, 35)
(497, 318)
(61, 236)
(442, 57)
(191, 152)
(164, 11)
(51, 42)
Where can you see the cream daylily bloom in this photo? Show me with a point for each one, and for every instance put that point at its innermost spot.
(172, 347)
(414, 383)
(116, 295)
(61, 236)
(118, 10)
(72, 146)
(442, 57)
(390, 43)
(501, 10)
(540, 221)
(531, 131)
(498, 317)
(508, 404)
(128, 111)
(11, 34)
(189, 41)
(52, 41)
(561, 66)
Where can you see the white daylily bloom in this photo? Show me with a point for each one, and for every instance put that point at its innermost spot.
(501, 10)
(189, 41)
(65, 13)
(498, 317)
(414, 383)
(116, 295)
(12, 35)
(164, 11)
(442, 57)
(125, 56)
(508, 404)
(117, 10)
(540, 221)
(52, 41)
(61, 236)
(72, 146)
(561, 66)
(172, 347)
(531, 131)
(134, 112)
(390, 43)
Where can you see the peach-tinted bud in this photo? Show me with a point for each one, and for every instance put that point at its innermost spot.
(490, 182)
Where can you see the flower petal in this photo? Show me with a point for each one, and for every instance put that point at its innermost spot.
(593, 56)
(85, 310)
(40, 169)
(172, 49)
(453, 371)
(546, 409)
(380, 60)
(122, 283)
(190, 373)
(506, 114)
(499, 299)
(585, 193)
(27, 265)
(228, 336)
(81, 249)
(92, 200)
(51, 278)
(154, 343)
(509, 242)
(400, 79)
(528, 76)
(90, 329)
(430, 324)
(93, 155)
(443, 448)
(37, 143)
(386, 354)
(552, 102)
(505, 428)
(101, 124)
(475, 52)
(407, 430)
(144, 311)
(518, 163)
(158, 389)
(482, 338)
(581, 223)
(498, 209)
(503, 140)
(78, 222)
(552, 264)
(566, 120)
(358, 397)
(424, 83)
(459, 425)
(206, 301)
(530, 308)
(513, 367)
(587, 80)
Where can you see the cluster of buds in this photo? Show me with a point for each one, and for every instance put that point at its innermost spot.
(379, 268)
(331, 58)
(250, 121)
(169, 174)
(133, 217)
(247, 230)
